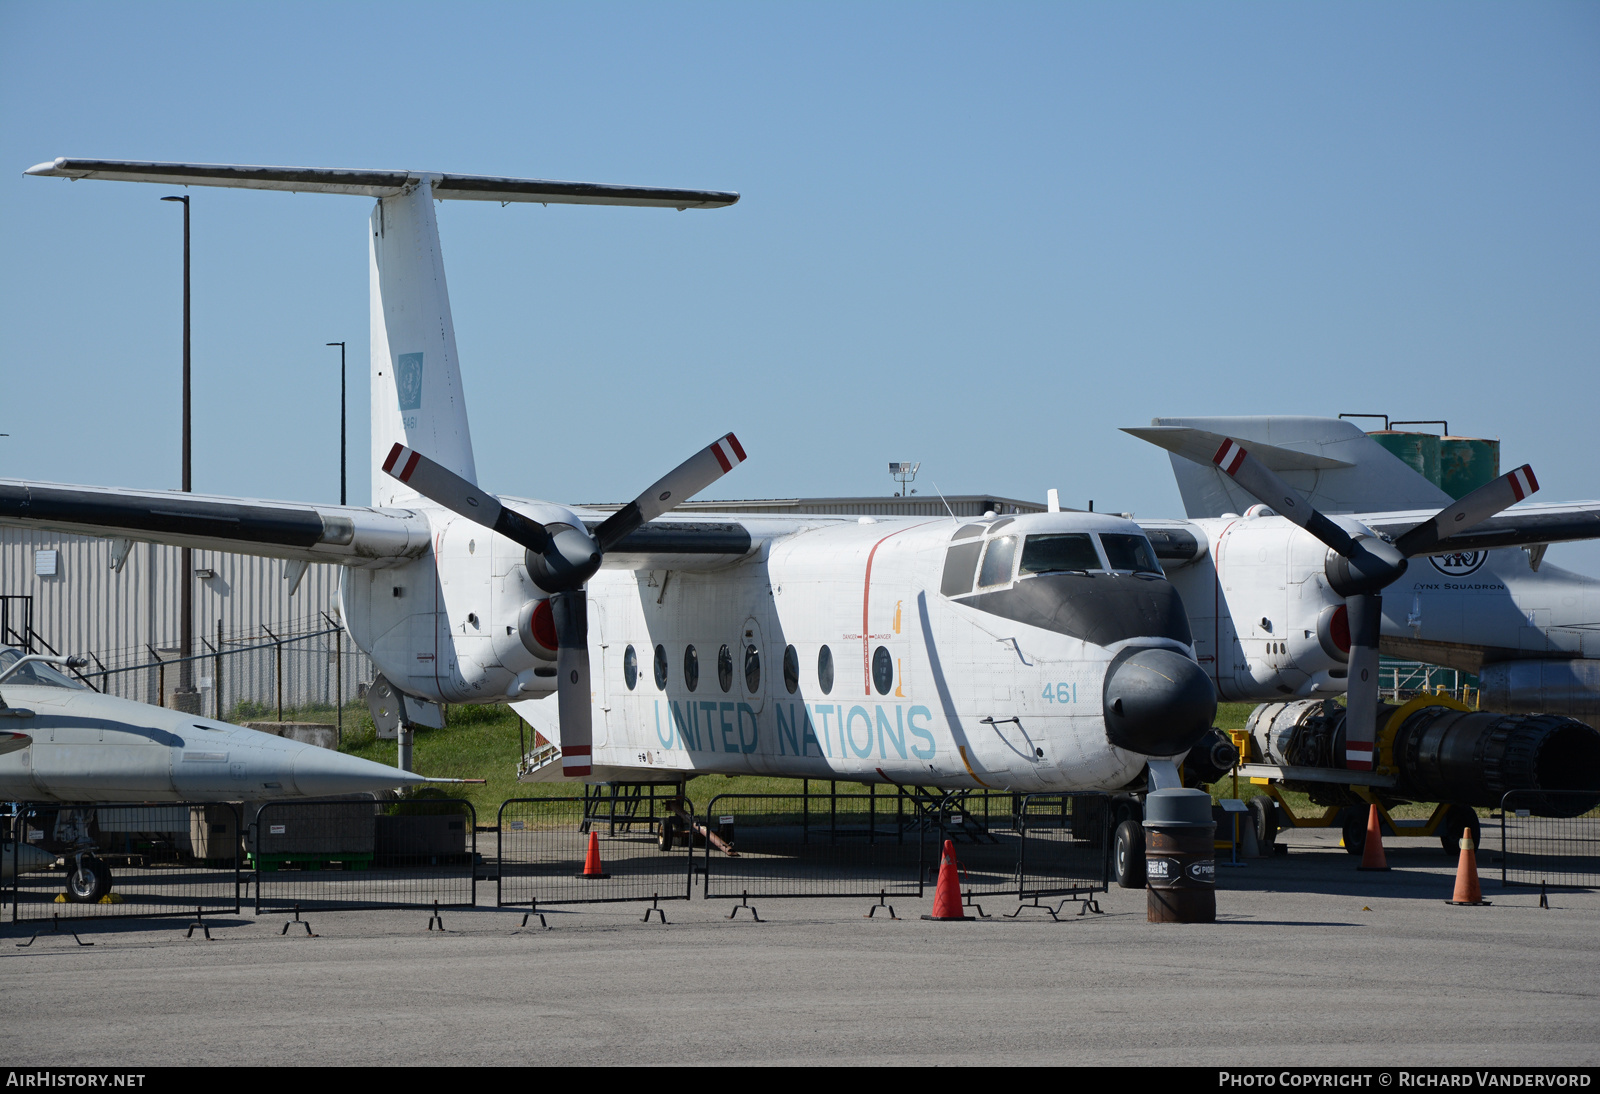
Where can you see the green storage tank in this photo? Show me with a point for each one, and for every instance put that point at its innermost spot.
(1418, 451)
(1466, 463)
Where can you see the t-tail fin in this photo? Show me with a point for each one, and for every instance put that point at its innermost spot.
(1332, 462)
(416, 379)
(417, 399)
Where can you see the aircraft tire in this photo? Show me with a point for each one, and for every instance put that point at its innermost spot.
(1264, 815)
(1127, 855)
(1459, 817)
(88, 880)
(1354, 830)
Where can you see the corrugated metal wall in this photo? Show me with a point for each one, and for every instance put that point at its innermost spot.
(87, 607)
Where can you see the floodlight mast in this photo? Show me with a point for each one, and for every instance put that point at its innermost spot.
(904, 473)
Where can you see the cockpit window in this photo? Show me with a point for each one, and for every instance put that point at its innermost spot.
(960, 562)
(1049, 554)
(967, 531)
(1126, 552)
(997, 561)
(35, 674)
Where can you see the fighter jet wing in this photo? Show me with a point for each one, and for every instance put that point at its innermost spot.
(351, 535)
(1519, 526)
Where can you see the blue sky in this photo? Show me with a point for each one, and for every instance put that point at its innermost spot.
(982, 237)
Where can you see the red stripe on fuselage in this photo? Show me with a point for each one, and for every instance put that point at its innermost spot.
(866, 601)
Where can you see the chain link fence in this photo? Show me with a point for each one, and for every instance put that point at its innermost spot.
(307, 672)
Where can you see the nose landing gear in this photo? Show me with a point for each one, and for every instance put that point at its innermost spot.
(88, 880)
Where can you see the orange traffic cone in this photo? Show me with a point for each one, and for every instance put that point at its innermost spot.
(1372, 857)
(947, 897)
(1467, 891)
(591, 863)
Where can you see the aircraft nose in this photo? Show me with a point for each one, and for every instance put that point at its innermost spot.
(319, 772)
(1158, 703)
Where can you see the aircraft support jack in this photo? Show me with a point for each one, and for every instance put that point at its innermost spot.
(533, 910)
(436, 918)
(655, 906)
(883, 902)
(745, 904)
(309, 932)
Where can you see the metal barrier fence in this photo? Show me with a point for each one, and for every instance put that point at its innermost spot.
(365, 854)
(1029, 845)
(543, 844)
(862, 843)
(852, 843)
(1562, 851)
(121, 861)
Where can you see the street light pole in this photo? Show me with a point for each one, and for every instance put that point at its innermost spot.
(186, 560)
(342, 499)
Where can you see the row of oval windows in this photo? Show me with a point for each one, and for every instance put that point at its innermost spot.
(882, 669)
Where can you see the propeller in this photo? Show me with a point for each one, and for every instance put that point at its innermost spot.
(1363, 565)
(562, 557)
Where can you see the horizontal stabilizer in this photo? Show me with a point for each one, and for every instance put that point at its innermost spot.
(1199, 445)
(382, 184)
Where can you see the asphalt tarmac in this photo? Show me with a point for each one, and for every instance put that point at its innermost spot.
(1309, 963)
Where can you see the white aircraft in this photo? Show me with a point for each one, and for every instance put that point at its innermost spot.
(61, 741)
(1041, 652)
(1288, 606)
(1267, 623)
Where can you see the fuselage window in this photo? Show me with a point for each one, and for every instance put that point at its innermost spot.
(752, 669)
(997, 561)
(882, 670)
(691, 668)
(725, 668)
(1049, 554)
(791, 669)
(959, 563)
(661, 667)
(630, 667)
(825, 670)
(1124, 552)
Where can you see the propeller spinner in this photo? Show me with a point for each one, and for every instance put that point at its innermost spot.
(561, 559)
(1362, 565)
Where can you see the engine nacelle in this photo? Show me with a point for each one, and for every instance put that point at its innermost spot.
(536, 629)
(1438, 753)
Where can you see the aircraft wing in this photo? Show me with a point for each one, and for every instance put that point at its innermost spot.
(350, 535)
(690, 541)
(1519, 526)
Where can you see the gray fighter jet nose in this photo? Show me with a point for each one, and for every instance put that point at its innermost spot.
(320, 772)
(1157, 702)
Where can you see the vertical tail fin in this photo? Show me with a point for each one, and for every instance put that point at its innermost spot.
(416, 376)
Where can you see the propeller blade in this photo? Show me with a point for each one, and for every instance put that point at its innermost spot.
(1361, 692)
(573, 697)
(443, 486)
(1476, 507)
(1267, 487)
(678, 485)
